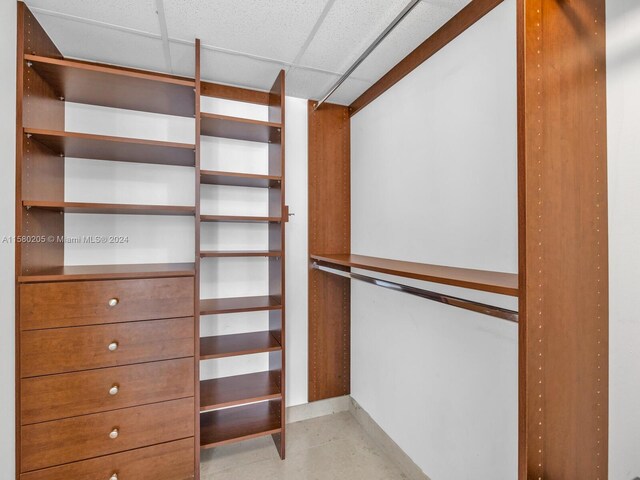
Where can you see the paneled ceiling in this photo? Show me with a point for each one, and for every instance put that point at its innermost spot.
(246, 42)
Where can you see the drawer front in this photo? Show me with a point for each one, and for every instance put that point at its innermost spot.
(70, 394)
(58, 442)
(60, 350)
(169, 461)
(66, 304)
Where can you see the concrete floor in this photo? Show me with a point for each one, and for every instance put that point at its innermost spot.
(325, 448)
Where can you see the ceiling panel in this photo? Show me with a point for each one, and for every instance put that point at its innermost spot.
(138, 14)
(276, 29)
(314, 85)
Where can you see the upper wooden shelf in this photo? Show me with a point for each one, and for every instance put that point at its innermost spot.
(239, 219)
(109, 208)
(238, 390)
(117, 87)
(217, 306)
(121, 149)
(221, 346)
(214, 125)
(239, 253)
(107, 272)
(209, 177)
(495, 282)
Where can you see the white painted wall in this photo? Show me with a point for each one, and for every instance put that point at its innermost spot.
(623, 77)
(7, 228)
(434, 180)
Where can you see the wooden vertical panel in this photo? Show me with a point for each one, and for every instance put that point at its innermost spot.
(563, 239)
(196, 313)
(329, 232)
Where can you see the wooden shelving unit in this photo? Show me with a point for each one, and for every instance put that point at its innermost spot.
(210, 177)
(108, 272)
(239, 219)
(109, 208)
(221, 346)
(238, 390)
(217, 306)
(239, 253)
(213, 125)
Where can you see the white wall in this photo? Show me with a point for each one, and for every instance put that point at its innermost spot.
(434, 180)
(7, 228)
(623, 77)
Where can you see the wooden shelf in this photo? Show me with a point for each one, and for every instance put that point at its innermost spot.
(221, 346)
(216, 306)
(230, 425)
(117, 87)
(108, 272)
(495, 282)
(239, 253)
(239, 219)
(214, 125)
(109, 208)
(121, 149)
(237, 390)
(210, 177)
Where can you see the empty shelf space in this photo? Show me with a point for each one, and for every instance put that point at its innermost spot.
(221, 346)
(239, 219)
(108, 272)
(117, 87)
(239, 253)
(237, 390)
(214, 125)
(221, 427)
(109, 208)
(216, 306)
(210, 177)
(121, 149)
(487, 281)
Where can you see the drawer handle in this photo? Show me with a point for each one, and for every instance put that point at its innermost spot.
(114, 477)
(113, 346)
(113, 302)
(114, 390)
(113, 434)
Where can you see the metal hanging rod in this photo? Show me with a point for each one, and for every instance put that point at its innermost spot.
(477, 307)
(410, 6)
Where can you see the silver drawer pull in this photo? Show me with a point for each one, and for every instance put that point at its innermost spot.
(113, 346)
(113, 302)
(114, 477)
(113, 434)
(114, 390)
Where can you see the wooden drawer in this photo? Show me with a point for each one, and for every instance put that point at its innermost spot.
(60, 350)
(66, 304)
(63, 441)
(169, 461)
(71, 394)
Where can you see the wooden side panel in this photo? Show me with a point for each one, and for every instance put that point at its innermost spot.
(563, 240)
(196, 296)
(329, 232)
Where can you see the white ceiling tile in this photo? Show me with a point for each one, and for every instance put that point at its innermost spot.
(89, 42)
(183, 59)
(138, 14)
(314, 85)
(275, 29)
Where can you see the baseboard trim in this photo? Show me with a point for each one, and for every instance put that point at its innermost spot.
(320, 408)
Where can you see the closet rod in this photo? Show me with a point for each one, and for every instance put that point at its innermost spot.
(477, 307)
(410, 6)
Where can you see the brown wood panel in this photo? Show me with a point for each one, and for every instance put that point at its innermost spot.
(238, 389)
(105, 147)
(563, 239)
(216, 306)
(239, 219)
(210, 177)
(116, 87)
(53, 397)
(167, 461)
(231, 425)
(464, 19)
(59, 350)
(227, 92)
(109, 208)
(329, 232)
(214, 125)
(65, 304)
(221, 346)
(240, 253)
(108, 272)
(495, 282)
(69, 440)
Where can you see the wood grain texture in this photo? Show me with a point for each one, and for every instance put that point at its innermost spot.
(238, 389)
(66, 304)
(329, 232)
(53, 397)
(79, 438)
(563, 239)
(460, 22)
(238, 94)
(214, 125)
(210, 177)
(495, 282)
(108, 272)
(109, 208)
(239, 219)
(167, 461)
(59, 350)
(221, 346)
(239, 253)
(217, 306)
